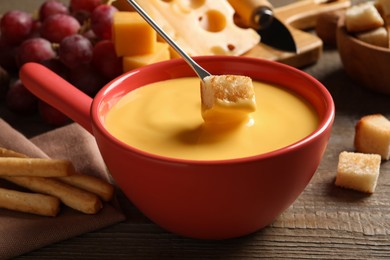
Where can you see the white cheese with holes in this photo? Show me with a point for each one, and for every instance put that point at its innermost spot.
(202, 27)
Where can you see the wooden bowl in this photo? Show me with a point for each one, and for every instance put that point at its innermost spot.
(365, 63)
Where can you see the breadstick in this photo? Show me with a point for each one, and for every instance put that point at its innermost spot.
(92, 184)
(29, 202)
(73, 197)
(11, 166)
(9, 153)
(85, 182)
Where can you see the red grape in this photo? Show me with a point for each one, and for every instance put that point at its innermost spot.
(36, 29)
(56, 66)
(35, 50)
(51, 7)
(72, 40)
(7, 56)
(51, 115)
(90, 35)
(16, 26)
(4, 83)
(101, 21)
(85, 5)
(75, 50)
(20, 100)
(87, 80)
(81, 16)
(58, 26)
(105, 60)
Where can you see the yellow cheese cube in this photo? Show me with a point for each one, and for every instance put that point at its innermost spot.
(174, 54)
(132, 35)
(133, 62)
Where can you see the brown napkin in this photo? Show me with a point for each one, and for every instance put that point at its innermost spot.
(20, 232)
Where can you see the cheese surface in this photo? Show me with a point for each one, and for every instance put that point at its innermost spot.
(164, 118)
(203, 27)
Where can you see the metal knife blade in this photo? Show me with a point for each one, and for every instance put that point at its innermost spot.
(272, 31)
(258, 14)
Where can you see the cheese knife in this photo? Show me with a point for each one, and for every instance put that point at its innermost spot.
(258, 14)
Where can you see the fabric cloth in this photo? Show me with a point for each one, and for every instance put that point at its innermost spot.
(21, 232)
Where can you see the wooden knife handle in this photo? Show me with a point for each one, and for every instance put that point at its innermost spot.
(246, 9)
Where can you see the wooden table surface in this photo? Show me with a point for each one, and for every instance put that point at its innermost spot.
(325, 222)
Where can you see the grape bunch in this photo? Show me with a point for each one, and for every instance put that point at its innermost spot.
(72, 40)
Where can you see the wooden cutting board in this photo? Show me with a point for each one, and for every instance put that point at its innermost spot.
(299, 17)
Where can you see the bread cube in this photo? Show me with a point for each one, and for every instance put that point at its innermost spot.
(372, 135)
(377, 37)
(384, 6)
(358, 171)
(363, 17)
(227, 98)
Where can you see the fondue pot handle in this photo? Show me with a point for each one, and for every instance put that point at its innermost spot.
(57, 92)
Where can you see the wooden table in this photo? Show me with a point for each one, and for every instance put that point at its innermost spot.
(325, 222)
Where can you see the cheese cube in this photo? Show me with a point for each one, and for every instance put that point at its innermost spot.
(161, 53)
(358, 171)
(132, 35)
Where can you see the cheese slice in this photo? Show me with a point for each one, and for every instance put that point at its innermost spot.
(201, 27)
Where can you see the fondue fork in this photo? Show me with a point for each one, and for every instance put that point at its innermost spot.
(225, 98)
(201, 72)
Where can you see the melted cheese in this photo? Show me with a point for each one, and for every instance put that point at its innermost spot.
(164, 118)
